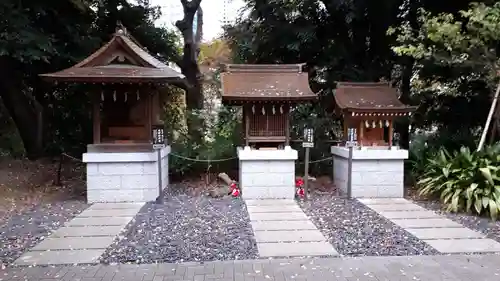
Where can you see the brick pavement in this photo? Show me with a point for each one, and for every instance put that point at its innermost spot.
(426, 268)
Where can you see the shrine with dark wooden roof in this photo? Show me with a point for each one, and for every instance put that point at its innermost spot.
(370, 109)
(267, 93)
(376, 167)
(126, 83)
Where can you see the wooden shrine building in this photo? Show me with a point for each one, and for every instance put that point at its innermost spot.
(126, 98)
(267, 93)
(125, 84)
(374, 168)
(369, 110)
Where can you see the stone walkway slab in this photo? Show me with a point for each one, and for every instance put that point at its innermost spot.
(288, 236)
(90, 231)
(292, 216)
(452, 246)
(270, 202)
(83, 239)
(99, 221)
(111, 206)
(396, 207)
(282, 225)
(441, 233)
(296, 249)
(60, 257)
(74, 243)
(383, 201)
(274, 209)
(444, 233)
(109, 213)
(278, 221)
(425, 223)
(409, 214)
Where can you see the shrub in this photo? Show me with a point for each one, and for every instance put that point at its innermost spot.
(464, 180)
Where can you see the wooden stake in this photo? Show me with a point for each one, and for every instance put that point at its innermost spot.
(488, 121)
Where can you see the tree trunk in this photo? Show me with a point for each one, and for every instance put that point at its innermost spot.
(26, 114)
(189, 63)
(402, 127)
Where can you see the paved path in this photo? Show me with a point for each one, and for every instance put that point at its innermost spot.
(282, 229)
(83, 239)
(414, 268)
(441, 233)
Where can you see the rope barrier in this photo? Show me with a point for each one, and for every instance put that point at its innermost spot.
(206, 160)
(71, 157)
(203, 160)
(317, 161)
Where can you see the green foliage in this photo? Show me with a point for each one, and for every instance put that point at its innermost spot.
(46, 36)
(464, 180)
(455, 69)
(220, 144)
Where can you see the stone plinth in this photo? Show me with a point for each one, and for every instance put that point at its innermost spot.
(376, 172)
(124, 176)
(267, 174)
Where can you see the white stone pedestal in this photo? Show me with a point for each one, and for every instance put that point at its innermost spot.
(376, 172)
(124, 176)
(267, 174)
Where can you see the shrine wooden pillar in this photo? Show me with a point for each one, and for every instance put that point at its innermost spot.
(96, 118)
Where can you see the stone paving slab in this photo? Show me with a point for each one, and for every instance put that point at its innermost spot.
(410, 214)
(59, 257)
(88, 231)
(282, 225)
(383, 201)
(426, 223)
(451, 246)
(274, 209)
(413, 268)
(292, 216)
(396, 207)
(99, 221)
(270, 202)
(111, 206)
(296, 249)
(74, 243)
(444, 233)
(109, 213)
(289, 236)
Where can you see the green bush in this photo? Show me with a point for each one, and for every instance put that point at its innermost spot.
(464, 180)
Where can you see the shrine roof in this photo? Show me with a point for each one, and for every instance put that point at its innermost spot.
(121, 60)
(265, 82)
(369, 97)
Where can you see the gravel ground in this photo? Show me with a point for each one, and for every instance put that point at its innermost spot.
(186, 228)
(482, 224)
(356, 230)
(23, 231)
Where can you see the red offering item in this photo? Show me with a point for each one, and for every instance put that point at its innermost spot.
(232, 186)
(299, 182)
(300, 192)
(235, 192)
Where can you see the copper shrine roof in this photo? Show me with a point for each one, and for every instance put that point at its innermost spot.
(265, 82)
(369, 96)
(121, 60)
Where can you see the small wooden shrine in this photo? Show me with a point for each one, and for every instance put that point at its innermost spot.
(368, 111)
(126, 100)
(267, 93)
(125, 85)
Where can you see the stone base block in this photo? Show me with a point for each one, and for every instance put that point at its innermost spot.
(267, 174)
(124, 176)
(376, 173)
